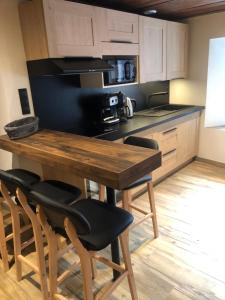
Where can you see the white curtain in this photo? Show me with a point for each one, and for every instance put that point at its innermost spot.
(215, 99)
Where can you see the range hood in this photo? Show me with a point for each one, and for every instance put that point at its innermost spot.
(67, 66)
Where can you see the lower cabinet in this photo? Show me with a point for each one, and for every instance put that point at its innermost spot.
(178, 142)
(187, 140)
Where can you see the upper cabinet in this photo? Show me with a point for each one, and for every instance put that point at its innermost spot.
(177, 50)
(163, 49)
(58, 28)
(152, 33)
(117, 32)
(117, 26)
(70, 28)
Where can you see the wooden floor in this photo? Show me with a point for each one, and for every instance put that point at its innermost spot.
(186, 262)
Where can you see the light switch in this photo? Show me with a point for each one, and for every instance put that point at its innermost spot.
(24, 101)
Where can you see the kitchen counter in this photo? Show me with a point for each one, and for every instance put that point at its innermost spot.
(140, 123)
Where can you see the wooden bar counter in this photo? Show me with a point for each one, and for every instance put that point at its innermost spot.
(108, 163)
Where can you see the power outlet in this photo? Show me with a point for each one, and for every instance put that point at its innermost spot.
(24, 101)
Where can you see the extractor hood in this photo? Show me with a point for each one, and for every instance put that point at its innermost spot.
(67, 66)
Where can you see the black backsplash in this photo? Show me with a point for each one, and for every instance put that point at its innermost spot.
(62, 105)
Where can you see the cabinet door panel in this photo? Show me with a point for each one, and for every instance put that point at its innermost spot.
(187, 140)
(116, 26)
(177, 43)
(152, 49)
(70, 29)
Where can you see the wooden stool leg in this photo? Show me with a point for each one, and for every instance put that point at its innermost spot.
(124, 240)
(87, 274)
(3, 245)
(126, 200)
(17, 243)
(93, 268)
(152, 206)
(41, 262)
(53, 247)
(85, 260)
(53, 264)
(101, 192)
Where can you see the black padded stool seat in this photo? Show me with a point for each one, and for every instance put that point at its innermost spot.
(103, 222)
(24, 176)
(106, 223)
(58, 191)
(138, 182)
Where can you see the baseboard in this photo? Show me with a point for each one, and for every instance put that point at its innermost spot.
(211, 162)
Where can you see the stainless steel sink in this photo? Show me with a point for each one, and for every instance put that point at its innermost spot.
(162, 110)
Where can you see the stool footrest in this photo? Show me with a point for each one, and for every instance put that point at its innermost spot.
(68, 272)
(108, 263)
(110, 287)
(141, 220)
(139, 209)
(30, 264)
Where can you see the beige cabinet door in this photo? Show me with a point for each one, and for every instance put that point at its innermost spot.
(116, 26)
(152, 33)
(177, 50)
(70, 28)
(117, 32)
(188, 140)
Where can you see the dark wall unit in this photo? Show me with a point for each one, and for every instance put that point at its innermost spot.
(62, 105)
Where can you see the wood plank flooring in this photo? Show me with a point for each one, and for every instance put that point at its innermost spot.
(185, 262)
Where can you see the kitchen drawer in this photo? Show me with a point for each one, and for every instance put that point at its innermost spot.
(169, 161)
(167, 139)
(168, 133)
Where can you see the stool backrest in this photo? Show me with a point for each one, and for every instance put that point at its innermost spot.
(61, 211)
(11, 181)
(142, 142)
(56, 212)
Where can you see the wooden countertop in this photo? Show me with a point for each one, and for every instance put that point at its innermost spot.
(114, 165)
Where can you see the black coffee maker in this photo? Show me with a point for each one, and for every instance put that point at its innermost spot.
(108, 111)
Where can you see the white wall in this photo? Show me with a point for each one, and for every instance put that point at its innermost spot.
(193, 90)
(13, 72)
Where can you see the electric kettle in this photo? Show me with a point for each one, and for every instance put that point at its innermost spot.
(129, 105)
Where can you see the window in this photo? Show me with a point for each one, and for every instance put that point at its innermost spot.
(215, 99)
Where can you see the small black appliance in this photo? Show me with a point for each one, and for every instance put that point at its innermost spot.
(124, 71)
(108, 111)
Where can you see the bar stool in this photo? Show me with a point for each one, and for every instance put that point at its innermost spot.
(30, 178)
(90, 225)
(61, 192)
(127, 201)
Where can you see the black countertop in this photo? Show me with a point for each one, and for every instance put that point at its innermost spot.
(139, 123)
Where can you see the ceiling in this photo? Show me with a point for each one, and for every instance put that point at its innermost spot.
(167, 9)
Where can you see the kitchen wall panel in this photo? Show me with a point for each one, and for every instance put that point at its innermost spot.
(62, 105)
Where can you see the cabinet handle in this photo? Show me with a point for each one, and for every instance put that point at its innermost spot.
(121, 42)
(169, 131)
(168, 153)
